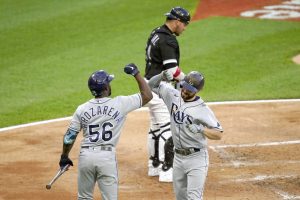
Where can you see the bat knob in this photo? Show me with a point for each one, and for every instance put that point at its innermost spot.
(48, 187)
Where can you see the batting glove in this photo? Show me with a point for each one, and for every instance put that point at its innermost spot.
(194, 128)
(168, 75)
(65, 160)
(131, 69)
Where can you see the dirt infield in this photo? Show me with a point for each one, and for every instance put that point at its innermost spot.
(258, 158)
(261, 9)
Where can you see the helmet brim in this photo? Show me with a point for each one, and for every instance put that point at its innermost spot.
(173, 17)
(188, 87)
(169, 15)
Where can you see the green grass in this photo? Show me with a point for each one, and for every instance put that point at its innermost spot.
(48, 49)
(244, 59)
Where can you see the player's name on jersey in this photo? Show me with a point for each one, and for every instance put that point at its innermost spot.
(100, 110)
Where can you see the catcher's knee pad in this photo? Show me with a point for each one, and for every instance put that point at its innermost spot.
(165, 135)
(169, 154)
(153, 142)
(156, 141)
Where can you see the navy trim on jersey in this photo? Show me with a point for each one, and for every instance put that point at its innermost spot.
(196, 99)
(91, 101)
(179, 129)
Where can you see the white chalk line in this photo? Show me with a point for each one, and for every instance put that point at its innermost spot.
(285, 195)
(232, 162)
(216, 147)
(220, 149)
(146, 109)
(34, 124)
(253, 163)
(259, 178)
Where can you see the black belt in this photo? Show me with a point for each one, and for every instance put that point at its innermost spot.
(103, 148)
(186, 152)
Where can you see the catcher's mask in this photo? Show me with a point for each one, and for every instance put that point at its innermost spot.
(193, 82)
(179, 13)
(99, 81)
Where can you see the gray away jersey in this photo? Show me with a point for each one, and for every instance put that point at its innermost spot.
(183, 113)
(102, 119)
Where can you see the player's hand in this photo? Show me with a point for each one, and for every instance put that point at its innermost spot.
(168, 75)
(65, 160)
(194, 128)
(180, 77)
(131, 69)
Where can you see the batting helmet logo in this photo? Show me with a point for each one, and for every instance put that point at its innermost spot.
(193, 81)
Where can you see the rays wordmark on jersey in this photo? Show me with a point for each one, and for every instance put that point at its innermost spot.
(179, 116)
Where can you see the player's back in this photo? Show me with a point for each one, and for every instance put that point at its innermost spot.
(102, 119)
(161, 45)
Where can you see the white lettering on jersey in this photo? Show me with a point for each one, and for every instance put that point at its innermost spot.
(99, 110)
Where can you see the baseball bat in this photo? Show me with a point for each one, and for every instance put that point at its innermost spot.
(58, 174)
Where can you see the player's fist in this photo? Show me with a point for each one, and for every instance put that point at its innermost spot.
(65, 160)
(168, 75)
(194, 128)
(131, 69)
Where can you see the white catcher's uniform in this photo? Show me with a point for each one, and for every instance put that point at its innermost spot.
(101, 120)
(158, 134)
(191, 159)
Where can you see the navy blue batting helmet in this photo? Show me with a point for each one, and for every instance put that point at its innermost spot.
(179, 13)
(193, 82)
(99, 81)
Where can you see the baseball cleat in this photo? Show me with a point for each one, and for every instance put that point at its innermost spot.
(166, 176)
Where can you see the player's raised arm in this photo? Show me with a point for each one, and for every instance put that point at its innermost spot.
(155, 80)
(143, 86)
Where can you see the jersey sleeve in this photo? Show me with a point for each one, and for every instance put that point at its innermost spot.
(168, 48)
(209, 119)
(75, 123)
(166, 91)
(130, 103)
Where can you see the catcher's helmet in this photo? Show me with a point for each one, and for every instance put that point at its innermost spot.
(193, 82)
(99, 81)
(179, 13)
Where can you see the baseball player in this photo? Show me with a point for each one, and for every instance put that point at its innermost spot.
(192, 122)
(162, 53)
(101, 120)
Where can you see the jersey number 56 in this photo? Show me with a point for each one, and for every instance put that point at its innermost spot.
(105, 134)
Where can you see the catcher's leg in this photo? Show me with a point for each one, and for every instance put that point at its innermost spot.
(159, 115)
(154, 164)
(166, 155)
